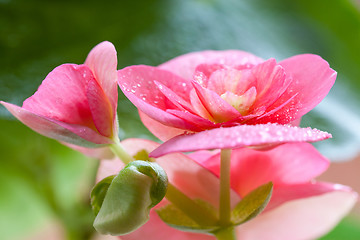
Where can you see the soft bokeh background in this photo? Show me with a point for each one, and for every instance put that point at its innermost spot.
(44, 186)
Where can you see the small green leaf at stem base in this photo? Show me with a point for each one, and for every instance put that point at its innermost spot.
(252, 204)
(176, 218)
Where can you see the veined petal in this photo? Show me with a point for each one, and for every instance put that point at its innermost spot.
(240, 136)
(186, 64)
(102, 61)
(70, 133)
(299, 217)
(312, 80)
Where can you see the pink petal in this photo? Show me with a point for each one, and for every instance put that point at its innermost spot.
(197, 121)
(270, 81)
(159, 130)
(62, 95)
(138, 85)
(70, 133)
(218, 108)
(100, 107)
(240, 136)
(291, 163)
(174, 98)
(285, 193)
(185, 65)
(307, 218)
(312, 80)
(102, 61)
(231, 80)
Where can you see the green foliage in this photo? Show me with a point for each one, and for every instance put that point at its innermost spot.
(252, 204)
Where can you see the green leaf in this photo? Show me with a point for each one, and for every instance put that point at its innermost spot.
(252, 204)
(175, 218)
(98, 193)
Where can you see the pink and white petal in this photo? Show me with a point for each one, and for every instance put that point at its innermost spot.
(186, 64)
(62, 95)
(102, 60)
(159, 130)
(231, 80)
(312, 80)
(156, 229)
(218, 108)
(100, 107)
(307, 218)
(70, 133)
(285, 193)
(291, 163)
(261, 135)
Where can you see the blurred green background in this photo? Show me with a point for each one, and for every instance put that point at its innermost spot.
(44, 186)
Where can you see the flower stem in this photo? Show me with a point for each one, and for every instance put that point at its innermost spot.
(226, 234)
(225, 208)
(119, 151)
(191, 208)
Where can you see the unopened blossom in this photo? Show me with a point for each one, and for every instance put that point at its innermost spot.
(300, 207)
(219, 89)
(76, 104)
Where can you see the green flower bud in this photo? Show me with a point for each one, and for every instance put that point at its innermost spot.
(122, 203)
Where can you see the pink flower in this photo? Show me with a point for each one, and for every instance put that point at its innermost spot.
(219, 89)
(300, 207)
(76, 103)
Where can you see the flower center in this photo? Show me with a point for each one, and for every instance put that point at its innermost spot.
(242, 103)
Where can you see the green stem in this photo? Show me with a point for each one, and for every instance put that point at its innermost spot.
(226, 234)
(225, 208)
(191, 208)
(119, 151)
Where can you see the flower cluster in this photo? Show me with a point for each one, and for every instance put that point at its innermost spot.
(251, 171)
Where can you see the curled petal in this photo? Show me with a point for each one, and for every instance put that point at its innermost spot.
(240, 136)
